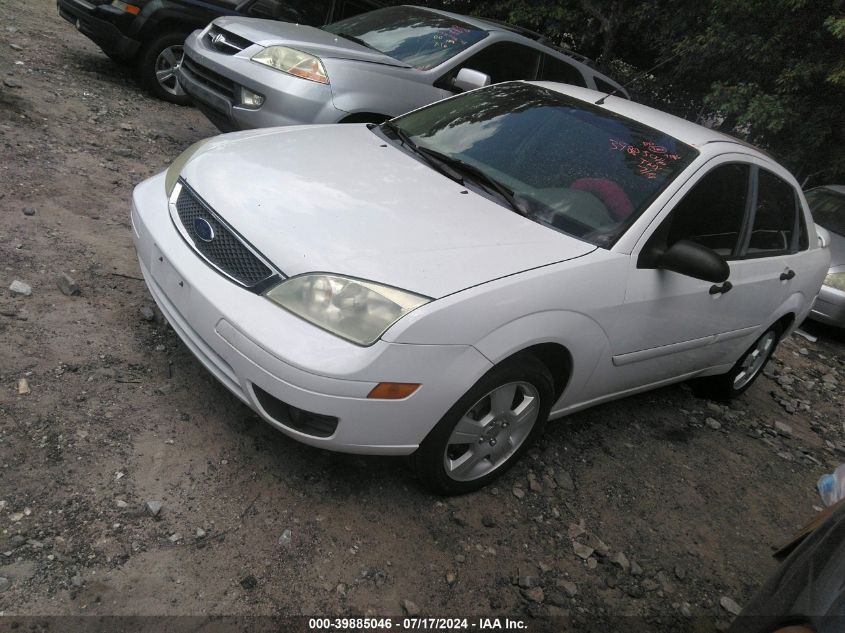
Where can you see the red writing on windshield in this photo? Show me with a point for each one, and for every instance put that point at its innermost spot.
(649, 158)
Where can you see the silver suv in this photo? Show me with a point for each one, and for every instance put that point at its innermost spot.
(247, 73)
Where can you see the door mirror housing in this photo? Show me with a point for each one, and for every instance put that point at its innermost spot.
(694, 260)
(469, 79)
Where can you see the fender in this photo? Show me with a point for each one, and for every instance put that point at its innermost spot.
(582, 338)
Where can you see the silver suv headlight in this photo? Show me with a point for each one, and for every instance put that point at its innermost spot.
(357, 310)
(293, 62)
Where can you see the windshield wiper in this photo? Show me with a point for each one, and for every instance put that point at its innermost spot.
(457, 170)
(487, 182)
(357, 40)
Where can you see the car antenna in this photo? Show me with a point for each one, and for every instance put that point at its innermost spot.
(639, 76)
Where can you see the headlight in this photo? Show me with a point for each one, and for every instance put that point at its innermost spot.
(835, 280)
(175, 169)
(293, 62)
(357, 310)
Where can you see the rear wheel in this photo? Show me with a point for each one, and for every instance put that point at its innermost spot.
(157, 65)
(743, 374)
(488, 429)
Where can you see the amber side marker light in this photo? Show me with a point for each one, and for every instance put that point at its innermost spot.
(126, 7)
(393, 390)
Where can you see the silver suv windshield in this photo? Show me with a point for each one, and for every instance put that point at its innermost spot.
(419, 38)
(560, 161)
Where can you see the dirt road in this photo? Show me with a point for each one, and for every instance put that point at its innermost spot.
(119, 414)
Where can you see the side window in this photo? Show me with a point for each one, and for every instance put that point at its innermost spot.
(348, 8)
(711, 213)
(503, 61)
(778, 227)
(555, 69)
(297, 11)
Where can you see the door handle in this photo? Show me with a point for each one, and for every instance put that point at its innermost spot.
(725, 287)
(786, 276)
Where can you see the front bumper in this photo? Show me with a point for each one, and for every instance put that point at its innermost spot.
(246, 341)
(214, 81)
(829, 307)
(102, 25)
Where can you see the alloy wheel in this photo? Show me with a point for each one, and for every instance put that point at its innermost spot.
(491, 431)
(167, 63)
(755, 359)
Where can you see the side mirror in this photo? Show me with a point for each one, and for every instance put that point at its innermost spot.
(469, 79)
(823, 235)
(695, 260)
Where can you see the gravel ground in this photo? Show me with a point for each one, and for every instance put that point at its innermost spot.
(660, 505)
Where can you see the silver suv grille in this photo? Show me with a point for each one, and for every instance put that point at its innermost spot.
(226, 42)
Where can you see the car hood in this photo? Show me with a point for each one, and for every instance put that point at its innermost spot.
(340, 199)
(305, 38)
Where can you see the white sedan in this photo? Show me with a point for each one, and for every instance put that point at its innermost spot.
(442, 284)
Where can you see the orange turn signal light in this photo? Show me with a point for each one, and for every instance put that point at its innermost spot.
(131, 8)
(393, 390)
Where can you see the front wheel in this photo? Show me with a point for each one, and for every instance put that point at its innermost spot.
(743, 374)
(488, 429)
(157, 65)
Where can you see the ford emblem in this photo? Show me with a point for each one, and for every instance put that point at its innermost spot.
(203, 230)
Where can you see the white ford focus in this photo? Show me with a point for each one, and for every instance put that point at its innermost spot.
(444, 283)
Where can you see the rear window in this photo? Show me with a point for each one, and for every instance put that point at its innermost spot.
(419, 38)
(579, 168)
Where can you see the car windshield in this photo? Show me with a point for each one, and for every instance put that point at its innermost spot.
(419, 38)
(570, 165)
(828, 209)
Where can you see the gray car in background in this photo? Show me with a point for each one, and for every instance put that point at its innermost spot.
(828, 206)
(248, 73)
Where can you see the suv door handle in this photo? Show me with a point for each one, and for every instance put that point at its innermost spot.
(725, 287)
(786, 276)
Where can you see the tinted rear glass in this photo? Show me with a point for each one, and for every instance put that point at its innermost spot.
(419, 38)
(828, 209)
(579, 168)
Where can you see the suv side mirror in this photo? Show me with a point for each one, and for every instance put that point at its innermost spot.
(694, 260)
(469, 79)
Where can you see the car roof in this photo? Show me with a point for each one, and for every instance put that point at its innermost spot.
(683, 130)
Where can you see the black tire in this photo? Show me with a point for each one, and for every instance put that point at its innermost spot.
(532, 380)
(152, 55)
(727, 386)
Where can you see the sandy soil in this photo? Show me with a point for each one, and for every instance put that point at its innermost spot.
(120, 413)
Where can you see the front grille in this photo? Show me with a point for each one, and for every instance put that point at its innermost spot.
(208, 78)
(226, 42)
(225, 250)
(287, 415)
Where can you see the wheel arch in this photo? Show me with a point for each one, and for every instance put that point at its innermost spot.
(170, 24)
(556, 358)
(570, 344)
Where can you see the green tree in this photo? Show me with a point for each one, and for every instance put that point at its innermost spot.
(769, 71)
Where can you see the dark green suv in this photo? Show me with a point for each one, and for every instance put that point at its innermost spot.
(149, 34)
